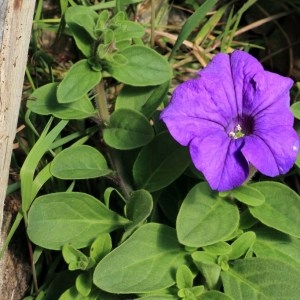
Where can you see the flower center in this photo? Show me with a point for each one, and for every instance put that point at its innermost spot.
(237, 133)
(240, 127)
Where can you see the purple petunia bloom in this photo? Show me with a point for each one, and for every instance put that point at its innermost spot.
(235, 114)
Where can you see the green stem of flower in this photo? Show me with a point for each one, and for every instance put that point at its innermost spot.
(102, 103)
(252, 172)
(117, 164)
(112, 155)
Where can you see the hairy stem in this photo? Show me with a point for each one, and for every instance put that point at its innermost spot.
(112, 155)
(102, 103)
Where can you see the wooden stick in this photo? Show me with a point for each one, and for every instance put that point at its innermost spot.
(15, 28)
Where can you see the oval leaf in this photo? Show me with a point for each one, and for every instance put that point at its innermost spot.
(145, 99)
(74, 218)
(128, 30)
(220, 248)
(138, 209)
(261, 279)
(281, 209)
(271, 243)
(204, 218)
(142, 263)
(296, 110)
(128, 129)
(82, 16)
(214, 295)
(184, 277)
(79, 162)
(84, 283)
(157, 70)
(160, 163)
(207, 265)
(43, 101)
(80, 79)
(242, 244)
(248, 195)
(83, 40)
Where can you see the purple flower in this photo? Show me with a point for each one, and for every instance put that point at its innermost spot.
(235, 114)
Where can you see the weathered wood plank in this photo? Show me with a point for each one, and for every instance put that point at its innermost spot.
(15, 28)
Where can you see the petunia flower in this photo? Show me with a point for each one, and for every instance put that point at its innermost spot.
(234, 116)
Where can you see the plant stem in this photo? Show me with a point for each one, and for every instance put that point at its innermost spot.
(122, 181)
(112, 155)
(102, 103)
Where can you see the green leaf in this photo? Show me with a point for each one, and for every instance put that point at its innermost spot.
(75, 258)
(119, 59)
(247, 220)
(192, 22)
(261, 279)
(120, 16)
(215, 295)
(184, 277)
(248, 195)
(82, 16)
(281, 209)
(143, 263)
(138, 209)
(197, 290)
(74, 218)
(145, 99)
(75, 18)
(95, 294)
(220, 248)
(79, 162)
(60, 283)
(128, 129)
(108, 38)
(101, 247)
(144, 67)
(128, 30)
(296, 110)
(80, 79)
(188, 293)
(297, 162)
(242, 244)
(101, 22)
(43, 144)
(208, 266)
(84, 283)
(43, 101)
(71, 293)
(271, 243)
(210, 24)
(160, 163)
(160, 296)
(121, 45)
(204, 218)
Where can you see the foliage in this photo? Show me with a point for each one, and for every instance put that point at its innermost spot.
(114, 206)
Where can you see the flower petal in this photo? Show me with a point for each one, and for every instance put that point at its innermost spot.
(220, 160)
(217, 80)
(243, 67)
(191, 112)
(272, 151)
(268, 93)
(186, 129)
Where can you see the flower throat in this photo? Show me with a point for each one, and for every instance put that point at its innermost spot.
(244, 127)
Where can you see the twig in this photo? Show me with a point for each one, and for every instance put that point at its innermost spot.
(34, 278)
